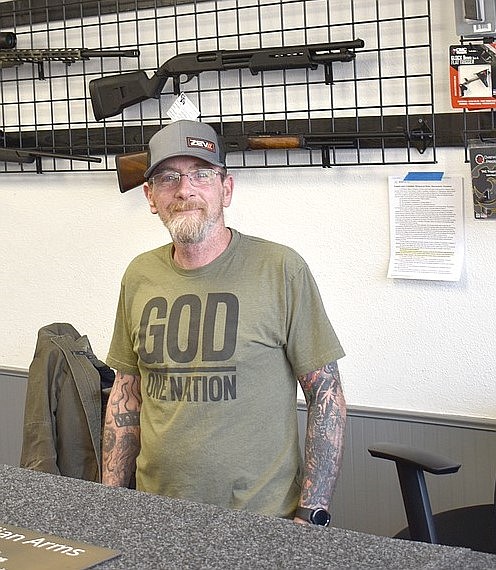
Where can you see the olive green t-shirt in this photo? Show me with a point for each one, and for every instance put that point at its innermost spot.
(218, 350)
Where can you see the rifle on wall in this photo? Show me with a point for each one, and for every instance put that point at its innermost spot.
(372, 132)
(12, 57)
(26, 156)
(112, 94)
(131, 166)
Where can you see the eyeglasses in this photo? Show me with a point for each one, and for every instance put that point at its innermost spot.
(171, 179)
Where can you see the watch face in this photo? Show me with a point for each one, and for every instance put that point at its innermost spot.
(320, 517)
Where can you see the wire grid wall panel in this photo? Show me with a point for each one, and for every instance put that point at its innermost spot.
(387, 88)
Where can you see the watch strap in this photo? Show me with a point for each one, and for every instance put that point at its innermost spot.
(314, 516)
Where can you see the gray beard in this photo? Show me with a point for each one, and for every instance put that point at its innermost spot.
(188, 229)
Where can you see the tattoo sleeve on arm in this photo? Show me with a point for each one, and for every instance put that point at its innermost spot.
(326, 422)
(121, 436)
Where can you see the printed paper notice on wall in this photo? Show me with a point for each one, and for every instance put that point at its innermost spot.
(426, 227)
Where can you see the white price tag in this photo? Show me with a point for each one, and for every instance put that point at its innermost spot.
(183, 108)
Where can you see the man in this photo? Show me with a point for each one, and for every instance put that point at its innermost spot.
(211, 333)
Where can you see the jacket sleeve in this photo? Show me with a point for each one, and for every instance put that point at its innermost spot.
(40, 432)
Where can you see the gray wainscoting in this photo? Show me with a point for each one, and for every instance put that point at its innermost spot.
(13, 383)
(367, 497)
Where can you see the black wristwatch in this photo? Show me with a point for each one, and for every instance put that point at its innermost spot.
(319, 517)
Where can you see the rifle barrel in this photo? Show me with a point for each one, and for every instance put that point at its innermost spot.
(87, 53)
(28, 156)
(68, 55)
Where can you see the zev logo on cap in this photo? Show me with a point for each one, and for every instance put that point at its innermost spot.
(201, 143)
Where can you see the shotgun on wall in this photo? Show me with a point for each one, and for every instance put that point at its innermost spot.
(131, 166)
(112, 94)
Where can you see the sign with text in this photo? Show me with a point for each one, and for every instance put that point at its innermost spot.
(21, 548)
(426, 227)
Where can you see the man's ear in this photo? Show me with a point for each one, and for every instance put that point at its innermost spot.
(149, 196)
(228, 187)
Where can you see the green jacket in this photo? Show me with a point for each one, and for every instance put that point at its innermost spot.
(63, 412)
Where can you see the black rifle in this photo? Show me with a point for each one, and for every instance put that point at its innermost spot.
(26, 156)
(10, 57)
(111, 95)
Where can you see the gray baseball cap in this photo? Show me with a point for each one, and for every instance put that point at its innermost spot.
(185, 138)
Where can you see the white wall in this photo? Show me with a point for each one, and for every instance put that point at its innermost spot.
(411, 345)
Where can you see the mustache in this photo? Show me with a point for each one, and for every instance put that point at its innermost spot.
(185, 206)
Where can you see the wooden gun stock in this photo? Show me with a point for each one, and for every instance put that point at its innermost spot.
(131, 168)
(263, 142)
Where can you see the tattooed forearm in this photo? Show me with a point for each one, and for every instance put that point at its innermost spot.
(325, 433)
(121, 437)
